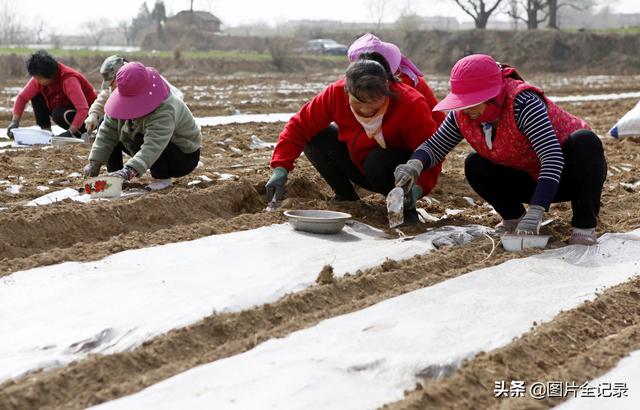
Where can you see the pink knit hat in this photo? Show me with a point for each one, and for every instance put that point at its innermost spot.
(140, 90)
(474, 79)
(369, 43)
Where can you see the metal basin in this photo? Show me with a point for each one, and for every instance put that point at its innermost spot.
(317, 221)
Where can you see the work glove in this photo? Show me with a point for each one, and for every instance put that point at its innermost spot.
(92, 169)
(275, 184)
(125, 173)
(407, 174)
(12, 125)
(91, 123)
(530, 223)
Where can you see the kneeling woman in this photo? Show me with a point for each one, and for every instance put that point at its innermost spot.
(378, 123)
(528, 150)
(147, 121)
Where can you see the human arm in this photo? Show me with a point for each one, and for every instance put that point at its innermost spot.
(72, 89)
(96, 111)
(15, 123)
(313, 117)
(106, 140)
(533, 121)
(24, 96)
(158, 129)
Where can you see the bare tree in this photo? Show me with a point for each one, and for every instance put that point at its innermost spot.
(479, 10)
(377, 9)
(126, 28)
(96, 29)
(11, 30)
(159, 15)
(512, 10)
(536, 12)
(141, 22)
(555, 5)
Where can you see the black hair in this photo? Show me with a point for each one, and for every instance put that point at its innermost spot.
(515, 74)
(42, 64)
(367, 80)
(375, 56)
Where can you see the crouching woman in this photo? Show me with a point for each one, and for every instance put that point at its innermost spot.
(356, 132)
(147, 121)
(527, 149)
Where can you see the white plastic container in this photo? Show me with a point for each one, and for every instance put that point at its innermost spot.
(513, 243)
(103, 186)
(31, 136)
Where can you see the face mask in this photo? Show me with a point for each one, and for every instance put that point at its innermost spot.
(373, 125)
(493, 108)
(491, 112)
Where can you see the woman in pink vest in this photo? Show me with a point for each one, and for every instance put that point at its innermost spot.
(528, 150)
(55, 91)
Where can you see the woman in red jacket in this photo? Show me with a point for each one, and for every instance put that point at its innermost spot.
(399, 65)
(378, 122)
(55, 91)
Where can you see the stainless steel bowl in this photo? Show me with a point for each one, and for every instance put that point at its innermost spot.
(317, 221)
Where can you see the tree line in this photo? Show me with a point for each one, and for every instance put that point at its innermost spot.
(530, 12)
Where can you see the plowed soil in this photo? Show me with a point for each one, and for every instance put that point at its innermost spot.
(229, 197)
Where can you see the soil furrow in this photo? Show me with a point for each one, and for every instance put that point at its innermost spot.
(101, 378)
(578, 345)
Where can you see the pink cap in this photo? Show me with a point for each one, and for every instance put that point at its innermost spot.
(140, 90)
(474, 79)
(369, 43)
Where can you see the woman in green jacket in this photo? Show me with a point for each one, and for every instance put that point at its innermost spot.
(147, 121)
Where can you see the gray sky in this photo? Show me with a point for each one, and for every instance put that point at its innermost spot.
(67, 16)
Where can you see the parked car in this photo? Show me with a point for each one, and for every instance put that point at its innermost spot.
(324, 46)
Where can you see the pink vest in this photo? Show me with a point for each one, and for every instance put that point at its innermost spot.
(511, 147)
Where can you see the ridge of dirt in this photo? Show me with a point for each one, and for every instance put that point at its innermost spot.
(101, 378)
(65, 224)
(212, 205)
(576, 346)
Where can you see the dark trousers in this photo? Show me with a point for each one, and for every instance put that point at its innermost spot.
(331, 158)
(506, 189)
(63, 116)
(172, 163)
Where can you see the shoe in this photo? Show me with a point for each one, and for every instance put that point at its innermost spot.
(159, 184)
(583, 237)
(507, 226)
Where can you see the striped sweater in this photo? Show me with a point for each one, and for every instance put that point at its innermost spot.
(532, 120)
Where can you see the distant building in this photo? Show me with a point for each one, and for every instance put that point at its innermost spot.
(203, 20)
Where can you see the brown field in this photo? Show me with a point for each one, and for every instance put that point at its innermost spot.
(68, 231)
